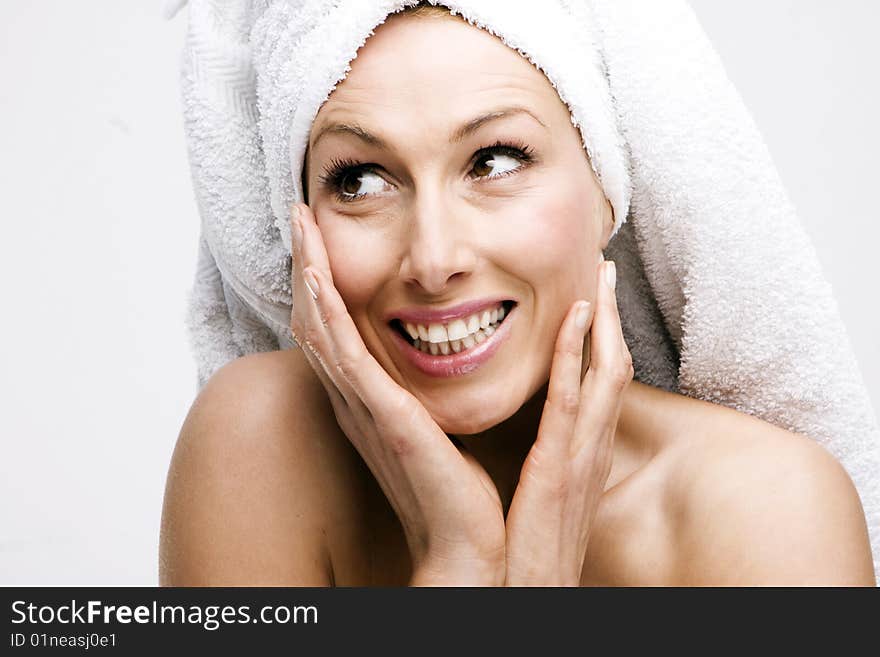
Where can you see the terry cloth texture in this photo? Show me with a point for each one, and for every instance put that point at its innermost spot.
(720, 290)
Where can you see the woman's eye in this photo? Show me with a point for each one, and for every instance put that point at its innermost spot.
(353, 181)
(495, 164)
(358, 183)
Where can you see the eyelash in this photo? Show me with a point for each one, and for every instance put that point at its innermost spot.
(338, 170)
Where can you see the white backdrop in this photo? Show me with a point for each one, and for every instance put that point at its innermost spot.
(99, 242)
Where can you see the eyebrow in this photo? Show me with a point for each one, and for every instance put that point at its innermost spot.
(457, 135)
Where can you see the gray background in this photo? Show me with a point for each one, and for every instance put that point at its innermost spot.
(99, 242)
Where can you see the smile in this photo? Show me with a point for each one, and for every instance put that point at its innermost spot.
(456, 346)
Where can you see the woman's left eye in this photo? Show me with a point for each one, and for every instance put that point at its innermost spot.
(499, 161)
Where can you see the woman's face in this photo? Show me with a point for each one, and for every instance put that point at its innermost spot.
(444, 171)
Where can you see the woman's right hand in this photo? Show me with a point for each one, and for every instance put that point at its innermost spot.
(446, 502)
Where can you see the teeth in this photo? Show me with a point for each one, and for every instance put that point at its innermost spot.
(454, 346)
(437, 333)
(473, 324)
(459, 334)
(457, 330)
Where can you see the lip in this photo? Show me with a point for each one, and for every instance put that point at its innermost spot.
(427, 316)
(461, 363)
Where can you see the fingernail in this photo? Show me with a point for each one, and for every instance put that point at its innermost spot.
(295, 211)
(611, 274)
(583, 313)
(311, 283)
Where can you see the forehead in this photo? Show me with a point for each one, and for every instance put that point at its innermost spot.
(437, 69)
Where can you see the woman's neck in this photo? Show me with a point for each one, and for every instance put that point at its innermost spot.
(503, 448)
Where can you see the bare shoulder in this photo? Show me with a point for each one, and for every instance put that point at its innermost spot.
(262, 483)
(755, 504)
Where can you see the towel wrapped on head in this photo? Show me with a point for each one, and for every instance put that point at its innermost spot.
(720, 291)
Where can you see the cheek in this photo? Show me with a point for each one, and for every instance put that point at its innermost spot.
(356, 261)
(550, 241)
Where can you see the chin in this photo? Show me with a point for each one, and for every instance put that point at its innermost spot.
(461, 427)
(472, 416)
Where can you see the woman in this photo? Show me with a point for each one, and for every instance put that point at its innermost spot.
(463, 417)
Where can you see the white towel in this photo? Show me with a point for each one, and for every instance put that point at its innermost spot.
(721, 294)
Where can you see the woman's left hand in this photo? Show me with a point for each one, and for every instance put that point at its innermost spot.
(563, 477)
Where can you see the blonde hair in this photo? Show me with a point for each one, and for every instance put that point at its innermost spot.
(427, 10)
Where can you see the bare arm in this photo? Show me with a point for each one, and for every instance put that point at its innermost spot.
(774, 508)
(245, 503)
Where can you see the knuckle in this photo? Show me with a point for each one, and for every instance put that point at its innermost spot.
(349, 366)
(310, 335)
(326, 315)
(620, 378)
(398, 443)
(394, 411)
(330, 313)
(568, 402)
(616, 376)
(566, 350)
(402, 410)
(555, 489)
(617, 372)
(400, 405)
(398, 421)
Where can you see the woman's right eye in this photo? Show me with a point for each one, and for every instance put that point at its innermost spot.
(361, 183)
(351, 182)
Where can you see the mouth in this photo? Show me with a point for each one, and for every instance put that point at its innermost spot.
(456, 336)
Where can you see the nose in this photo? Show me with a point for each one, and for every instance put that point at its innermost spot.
(438, 249)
